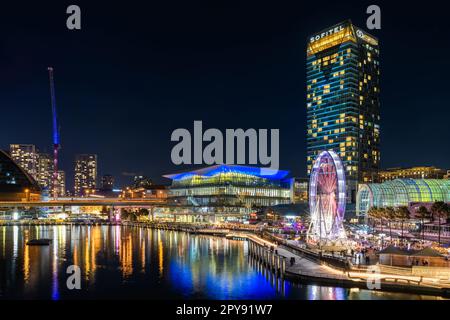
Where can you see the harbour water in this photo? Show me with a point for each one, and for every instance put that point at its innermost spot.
(118, 262)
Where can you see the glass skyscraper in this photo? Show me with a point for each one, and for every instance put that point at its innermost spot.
(343, 107)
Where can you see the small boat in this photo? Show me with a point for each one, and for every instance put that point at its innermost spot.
(39, 242)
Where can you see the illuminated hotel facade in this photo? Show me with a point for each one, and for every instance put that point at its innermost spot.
(343, 107)
(411, 173)
(230, 189)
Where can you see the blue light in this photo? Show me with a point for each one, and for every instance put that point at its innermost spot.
(217, 169)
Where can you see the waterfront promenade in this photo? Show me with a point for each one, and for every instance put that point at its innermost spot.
(306, 265)
(307, 269)
(303, 266)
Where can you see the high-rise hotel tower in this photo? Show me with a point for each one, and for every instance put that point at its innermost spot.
(343, 107)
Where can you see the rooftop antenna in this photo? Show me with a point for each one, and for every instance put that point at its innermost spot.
(56, 144)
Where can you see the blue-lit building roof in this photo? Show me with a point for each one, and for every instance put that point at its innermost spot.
(266, 173)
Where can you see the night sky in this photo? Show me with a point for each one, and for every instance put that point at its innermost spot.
(139, 70)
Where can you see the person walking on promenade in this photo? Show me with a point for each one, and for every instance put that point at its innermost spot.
(292, 260)
(347, 266)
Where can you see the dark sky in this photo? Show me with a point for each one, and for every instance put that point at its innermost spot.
(138, 70)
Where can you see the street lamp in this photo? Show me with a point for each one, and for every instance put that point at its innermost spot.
(27, 194)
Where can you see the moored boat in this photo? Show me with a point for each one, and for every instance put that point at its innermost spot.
(39, 242)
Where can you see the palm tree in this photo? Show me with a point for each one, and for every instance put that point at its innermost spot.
(127, 214)
(381, 215)
(441, 210)
(373, 214)
(423, 214)
(389, 214)
(143, 212)
(403, 214)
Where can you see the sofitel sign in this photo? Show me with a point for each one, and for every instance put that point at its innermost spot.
(327, 33)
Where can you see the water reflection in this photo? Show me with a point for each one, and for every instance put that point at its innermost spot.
(127, 262)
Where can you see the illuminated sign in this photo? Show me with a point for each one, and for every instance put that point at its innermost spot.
(327, 33)
(365, 37)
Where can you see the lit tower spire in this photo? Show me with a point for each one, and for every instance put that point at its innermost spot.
(56, 144)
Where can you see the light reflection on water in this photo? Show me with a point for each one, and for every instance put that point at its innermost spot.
(125, 262)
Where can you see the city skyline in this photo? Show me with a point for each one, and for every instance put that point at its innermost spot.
(94, 102)
(231, 152)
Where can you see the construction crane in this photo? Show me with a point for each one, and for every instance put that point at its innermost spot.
(56, 144)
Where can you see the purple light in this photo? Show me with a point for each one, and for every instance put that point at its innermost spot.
(327, 198)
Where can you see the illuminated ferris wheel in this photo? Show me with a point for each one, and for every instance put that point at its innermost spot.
(327, 201)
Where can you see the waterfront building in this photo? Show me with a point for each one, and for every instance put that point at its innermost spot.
(411, 173)
(61, 178)
(154, 191)
(107, 182)
(140, 181)
(45, 175)
(447, 175)
(16, 184)
(159, 192)
(45, 171)
(300, 190)
(85, 173)
(343, 106)
(26, 156)
(402, 192)
(231, 188)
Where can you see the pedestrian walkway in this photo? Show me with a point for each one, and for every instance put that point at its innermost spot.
(303, 266)
(311, 269)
